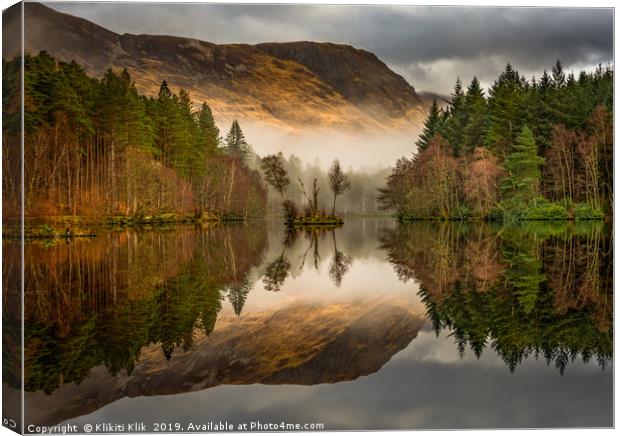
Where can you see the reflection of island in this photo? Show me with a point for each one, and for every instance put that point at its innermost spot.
(277, 271)
(537, 289)
(300, 343)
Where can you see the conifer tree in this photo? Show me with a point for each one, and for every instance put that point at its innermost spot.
(209, 134)
(505, 111)
(431, 127)
(475, 107)
(453, 128)
(236, 145)
(559, 78)
(523, 167)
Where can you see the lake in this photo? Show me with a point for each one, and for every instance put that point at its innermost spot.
(374, 325)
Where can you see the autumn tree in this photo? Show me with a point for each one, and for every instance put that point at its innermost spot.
(481, 185)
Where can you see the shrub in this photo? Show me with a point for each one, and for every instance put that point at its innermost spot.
(583, 211)
(461, 212)
(541, 209)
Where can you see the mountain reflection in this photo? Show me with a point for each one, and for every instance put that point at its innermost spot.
(99, 302)
(539, 289)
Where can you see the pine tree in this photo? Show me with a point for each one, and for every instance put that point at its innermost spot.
(506, 111)
(453, 128)
(559, 78)
(523, 168)
(209, 134)
(431, 127)
(236, 145)
(475, 107)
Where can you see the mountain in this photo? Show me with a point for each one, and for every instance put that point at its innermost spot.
(291, 85)
(301, 343)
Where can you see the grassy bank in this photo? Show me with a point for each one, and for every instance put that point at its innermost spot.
(510, 211)
(315, 221)
(69, 227)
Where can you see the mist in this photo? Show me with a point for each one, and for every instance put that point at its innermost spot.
(366, 157)
(358, 151)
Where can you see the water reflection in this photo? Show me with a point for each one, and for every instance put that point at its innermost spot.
(277, 271)
(537, 289)
(132, 314)
(93, 302)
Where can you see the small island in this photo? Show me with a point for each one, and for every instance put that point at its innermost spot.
(312, 215)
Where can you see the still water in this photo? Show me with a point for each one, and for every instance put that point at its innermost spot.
(374, 325)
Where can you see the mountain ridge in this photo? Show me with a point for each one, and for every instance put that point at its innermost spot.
(292, 85)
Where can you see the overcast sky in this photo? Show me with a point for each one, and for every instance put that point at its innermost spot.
(429, 46)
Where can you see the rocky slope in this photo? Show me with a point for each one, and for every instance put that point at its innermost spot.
(301, 343)
(291, 85)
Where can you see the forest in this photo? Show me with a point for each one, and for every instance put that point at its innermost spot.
(534, 149)
(97, 148)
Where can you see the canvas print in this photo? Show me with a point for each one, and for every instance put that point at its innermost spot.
(306, 217)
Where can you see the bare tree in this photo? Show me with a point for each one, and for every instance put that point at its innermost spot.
(338, 182)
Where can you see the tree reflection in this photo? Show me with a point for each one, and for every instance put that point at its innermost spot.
(98, 302)
(276, 273)
(542, 290)
(340, 263)
(278, 270)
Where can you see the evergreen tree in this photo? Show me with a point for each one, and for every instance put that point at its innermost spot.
(506, 111)
(453, 128)
(559, 78)
(431, 127)
(523, 168)
(475, 108)
(236, 145)
(209, 134)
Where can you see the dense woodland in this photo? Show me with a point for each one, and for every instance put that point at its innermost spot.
(531, 149)
(97, 147)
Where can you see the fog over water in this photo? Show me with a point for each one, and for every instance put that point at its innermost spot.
(363, 151)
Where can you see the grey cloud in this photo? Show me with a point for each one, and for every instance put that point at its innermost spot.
(409, 39)
(425, 386)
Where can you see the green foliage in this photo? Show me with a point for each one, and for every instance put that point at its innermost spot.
(583, 211)
(475, 109)
(97, 147)
(506, 111)
(523, 168)
(431, 127)
(236, 145)
(540, 209)
(544, 138)
(453, 129)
